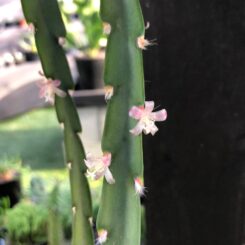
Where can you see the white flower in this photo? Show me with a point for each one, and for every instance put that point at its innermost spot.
(139, 187)
(48, 89)
(99, 167)
(102, 236)
(146, 118)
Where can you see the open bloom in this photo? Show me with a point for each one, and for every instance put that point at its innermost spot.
(99, 167)
(102, 236)
(146, 118)
(48, 89)
(139, 187)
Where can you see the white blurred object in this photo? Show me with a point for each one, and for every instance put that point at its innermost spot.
(8, 58)
(19, 57)
(10, 10)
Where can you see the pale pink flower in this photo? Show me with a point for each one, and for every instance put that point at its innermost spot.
(139, 187)
(146, 118)
(48, 89)
(102, 236)
(99, 167)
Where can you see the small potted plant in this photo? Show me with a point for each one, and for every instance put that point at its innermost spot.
(10, 181)
(85, 39)
(27, 44)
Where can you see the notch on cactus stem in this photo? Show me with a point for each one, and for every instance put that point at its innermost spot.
(99, 167)
(79, 134)
(146, 118)
(106, 28)
(61, 41)
(62, 125)
(74, 210)
(102, 236)
(139, 187)
(90, 219)
(109, 91)
(69, 165)
(143, 43)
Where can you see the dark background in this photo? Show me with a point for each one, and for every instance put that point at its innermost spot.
(195, 165)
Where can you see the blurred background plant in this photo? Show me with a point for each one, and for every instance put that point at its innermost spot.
(84, 27)
(10, 169)
(85, 40)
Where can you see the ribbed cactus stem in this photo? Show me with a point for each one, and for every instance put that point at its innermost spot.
(120, 211)
(49, 33)
(55, 232)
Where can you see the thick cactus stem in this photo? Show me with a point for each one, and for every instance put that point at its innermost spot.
(49, 33)
(55, 231)
(120, 210)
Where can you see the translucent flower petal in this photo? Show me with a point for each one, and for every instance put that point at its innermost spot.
(137, 130)
(159, 115)
(59, 92)
(106, 158)
(136, 112)
(108, 176)
(149, 106)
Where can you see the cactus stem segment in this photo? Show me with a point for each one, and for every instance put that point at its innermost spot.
(109, 91)
(139, 187)
(146, 118)
(102, 236)
(106, 28)
(99, 167)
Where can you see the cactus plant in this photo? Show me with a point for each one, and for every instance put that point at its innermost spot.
(119, 218)
(49, 33)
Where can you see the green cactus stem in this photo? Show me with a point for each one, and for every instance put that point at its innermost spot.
(55, 232)
(120, 210)
(49, 29)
